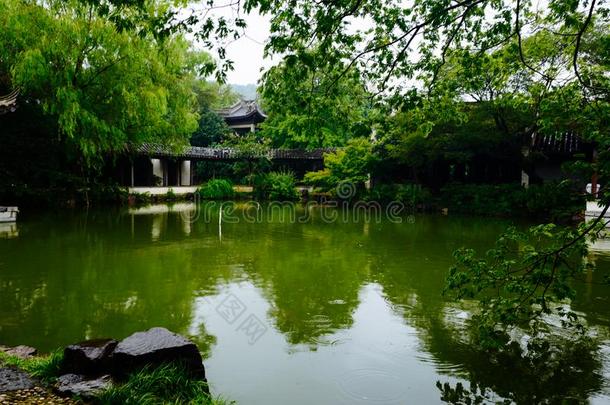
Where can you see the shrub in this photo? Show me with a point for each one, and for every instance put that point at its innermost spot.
(351, 164)
(321, 178)
(412, 195)
(107, 193)
(484, 199)
(276, 186)
(142, 198)
(216, 189)
(170, 195)
(557, 201)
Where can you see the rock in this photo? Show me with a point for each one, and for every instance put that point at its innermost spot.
(91, 357)
(154, 347)
(20, 351)
(75, 384)
(12, 379)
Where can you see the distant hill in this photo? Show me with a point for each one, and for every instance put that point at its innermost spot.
(246, 91)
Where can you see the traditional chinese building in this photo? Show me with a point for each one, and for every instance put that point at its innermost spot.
(544, 155)
(244, 116)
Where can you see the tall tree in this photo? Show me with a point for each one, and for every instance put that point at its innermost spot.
(303, 113)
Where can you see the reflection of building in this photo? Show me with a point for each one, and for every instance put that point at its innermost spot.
(592, 212)
(183, 213)
(243, 116)
(8, 230)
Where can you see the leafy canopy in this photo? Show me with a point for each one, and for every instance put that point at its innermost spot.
(303, 112)
(106, 88)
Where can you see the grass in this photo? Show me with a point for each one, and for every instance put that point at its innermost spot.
(45, 368)
(166, 384)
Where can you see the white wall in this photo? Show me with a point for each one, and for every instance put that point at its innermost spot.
(185, 171)
(157, 168)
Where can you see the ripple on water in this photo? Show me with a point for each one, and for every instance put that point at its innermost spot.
(369, 385)
(441, 367)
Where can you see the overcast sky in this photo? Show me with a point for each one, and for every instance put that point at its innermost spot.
(247, 52)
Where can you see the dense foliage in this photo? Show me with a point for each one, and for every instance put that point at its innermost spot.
(351, 164)
(526, 276)
(105, 88)
(556, 201)
(212, 128)
(304, 113)
(276, 186)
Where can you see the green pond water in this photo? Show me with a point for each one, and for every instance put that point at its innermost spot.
(316, 311)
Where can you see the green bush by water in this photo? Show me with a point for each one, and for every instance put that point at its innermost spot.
(556, 201)
(277, 186)
(170, 195)
(411, 195)
(216, 189)
(142, 198)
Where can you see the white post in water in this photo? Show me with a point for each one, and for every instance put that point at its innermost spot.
(220, 223)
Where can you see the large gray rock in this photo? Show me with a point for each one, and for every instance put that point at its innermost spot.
(91, 357)
(20, 351)
(12, 379)
(155, 347)
(74, 384)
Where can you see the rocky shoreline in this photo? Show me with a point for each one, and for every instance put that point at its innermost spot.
(88, 369)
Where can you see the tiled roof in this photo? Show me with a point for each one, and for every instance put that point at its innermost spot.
(242, 109)
(567, 142)
(202, 153)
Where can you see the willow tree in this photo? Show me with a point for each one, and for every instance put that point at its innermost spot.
(105, 88)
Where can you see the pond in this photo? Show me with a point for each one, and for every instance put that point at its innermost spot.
(317, 309)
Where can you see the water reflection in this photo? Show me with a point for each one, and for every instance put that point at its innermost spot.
(351, 311)
(8, 230)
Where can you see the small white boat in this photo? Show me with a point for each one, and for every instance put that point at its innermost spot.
(8, 214)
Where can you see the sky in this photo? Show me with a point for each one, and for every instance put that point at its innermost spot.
(247, 52)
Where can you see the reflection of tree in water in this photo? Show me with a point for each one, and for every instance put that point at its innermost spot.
(550, 377)
(204, 341)
(414, 290)
(306, 275)
(571, 374)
